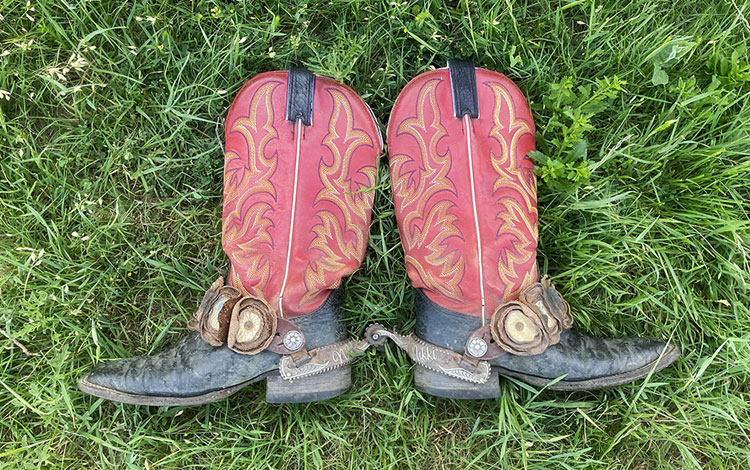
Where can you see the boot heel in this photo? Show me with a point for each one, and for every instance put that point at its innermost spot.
(314, 388)
(440, 385)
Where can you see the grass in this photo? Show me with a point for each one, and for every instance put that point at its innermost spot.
(110, 195)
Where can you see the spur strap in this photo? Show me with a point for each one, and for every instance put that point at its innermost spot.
(247, 325)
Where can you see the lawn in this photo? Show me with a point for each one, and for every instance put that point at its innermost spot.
(111, 117)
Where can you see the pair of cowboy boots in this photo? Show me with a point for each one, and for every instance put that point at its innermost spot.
(299, 177)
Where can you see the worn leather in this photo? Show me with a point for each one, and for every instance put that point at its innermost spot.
(307, 244)
(577, 356)
(299, 95)
(299, 177)
(193, 367)
(464, 88)
(464, 191)
(431, 175)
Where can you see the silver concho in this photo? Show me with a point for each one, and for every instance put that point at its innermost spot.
(293, 340)
(477, 347)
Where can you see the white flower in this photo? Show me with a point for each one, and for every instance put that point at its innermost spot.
(34, 258)
(5, 94)
(58, 73)
(24, 45)
(150, 19)
(77, 62)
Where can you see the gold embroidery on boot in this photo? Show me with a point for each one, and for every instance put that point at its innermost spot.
(247, 180)
(427, 222)
(517, 214)
(340, 236)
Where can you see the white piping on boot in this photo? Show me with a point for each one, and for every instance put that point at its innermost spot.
(298, 138)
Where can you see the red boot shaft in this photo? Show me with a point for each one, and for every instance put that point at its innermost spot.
(465, 192)
(296, 199)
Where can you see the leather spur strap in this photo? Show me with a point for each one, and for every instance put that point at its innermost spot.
(247, 325)
(524, 327)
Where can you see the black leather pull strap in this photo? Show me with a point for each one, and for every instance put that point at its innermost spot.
(464, 88)
(299, 95)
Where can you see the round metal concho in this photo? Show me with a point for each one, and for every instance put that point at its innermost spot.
(477, 347)
(293, 340)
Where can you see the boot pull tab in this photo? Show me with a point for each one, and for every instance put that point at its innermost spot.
(299, 95)
(464, 88)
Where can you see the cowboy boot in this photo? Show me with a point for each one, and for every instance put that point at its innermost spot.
(299, 176)
(465, 197)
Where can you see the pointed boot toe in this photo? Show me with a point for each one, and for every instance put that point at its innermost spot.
(191, 372)
(577, 362)
(586, 363)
